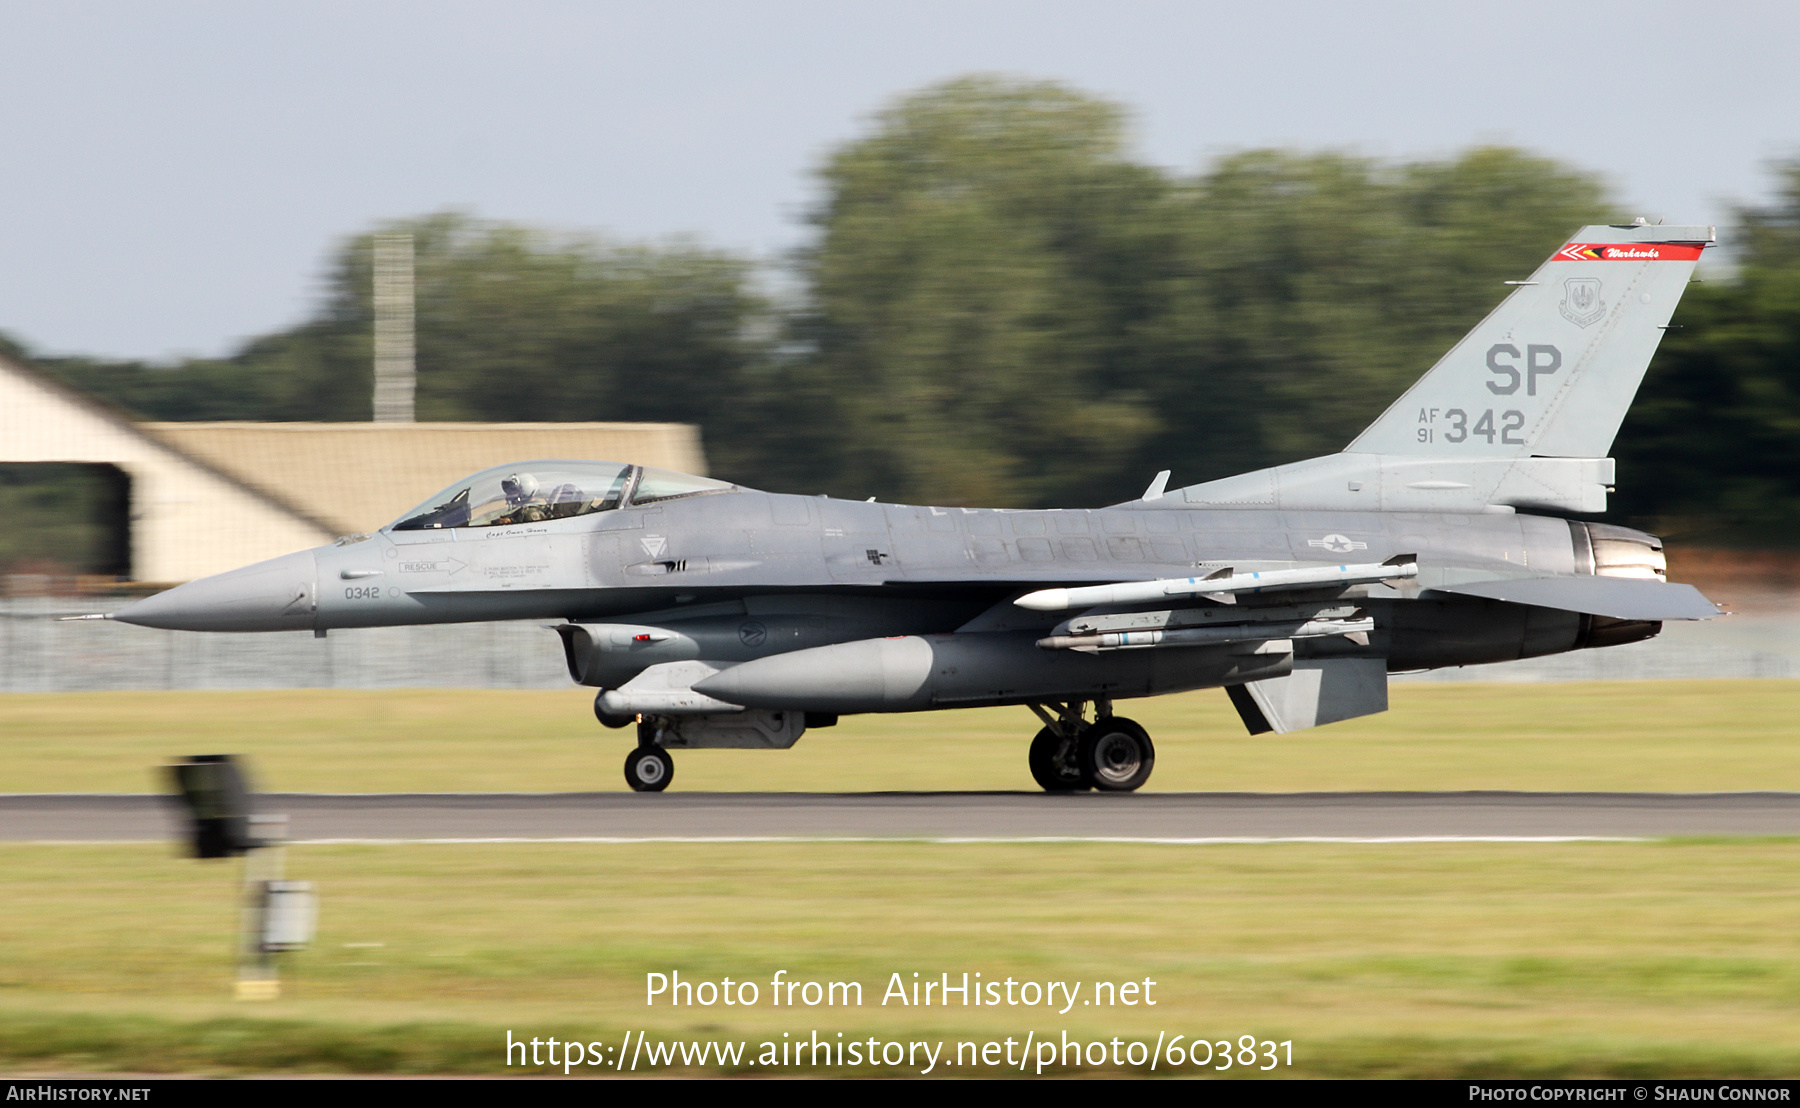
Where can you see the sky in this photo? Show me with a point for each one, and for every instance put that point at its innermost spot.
(178, 174)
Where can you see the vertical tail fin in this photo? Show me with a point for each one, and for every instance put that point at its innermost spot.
(1522, 412)
(1552, 370)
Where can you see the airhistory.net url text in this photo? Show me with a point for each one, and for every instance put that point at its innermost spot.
(636, 1052)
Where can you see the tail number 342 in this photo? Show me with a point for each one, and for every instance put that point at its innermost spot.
(1511, 423)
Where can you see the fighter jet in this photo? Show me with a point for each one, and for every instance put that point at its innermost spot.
(713, 615)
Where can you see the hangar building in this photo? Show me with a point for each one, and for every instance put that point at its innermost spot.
(208, 497)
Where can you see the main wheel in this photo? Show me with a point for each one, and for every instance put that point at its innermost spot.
(1116, 755)
(648, 769)
(1053, 763)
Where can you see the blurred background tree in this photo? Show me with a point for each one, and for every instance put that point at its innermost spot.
(513, 324)
(1004, 309)
(1313, 288)
(1711, 449)
(984, 262)
(1000, 306)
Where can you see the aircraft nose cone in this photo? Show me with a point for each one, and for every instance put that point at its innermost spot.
(276, 595)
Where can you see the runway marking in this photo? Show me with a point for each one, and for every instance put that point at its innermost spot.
(1001, 794)
(1234, 840)
(1217, 840)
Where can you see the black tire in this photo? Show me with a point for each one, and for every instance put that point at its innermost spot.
(1116, 755)
(606, 718)
(648, 769)
(1055, 776)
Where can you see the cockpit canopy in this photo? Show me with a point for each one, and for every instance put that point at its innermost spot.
(531, 492)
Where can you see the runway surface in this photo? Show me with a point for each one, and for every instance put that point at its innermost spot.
(1167, 817)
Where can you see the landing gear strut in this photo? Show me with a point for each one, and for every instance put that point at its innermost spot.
(648, 769)
(1111, 754)
(1055, 749)
(1053, 765)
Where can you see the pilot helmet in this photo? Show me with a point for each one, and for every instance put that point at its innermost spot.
(519, 487)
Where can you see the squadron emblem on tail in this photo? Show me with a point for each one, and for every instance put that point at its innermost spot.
(1581, 303)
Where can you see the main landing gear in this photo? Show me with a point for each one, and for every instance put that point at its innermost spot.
(1111, 754)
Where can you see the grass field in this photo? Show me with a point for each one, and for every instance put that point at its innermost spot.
(1586, 959)
(1632, 736)
(1401, 960)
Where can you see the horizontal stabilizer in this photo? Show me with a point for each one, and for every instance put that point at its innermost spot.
(1618, 597)
(1275, 580)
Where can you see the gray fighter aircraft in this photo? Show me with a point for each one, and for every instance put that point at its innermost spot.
(713, 615)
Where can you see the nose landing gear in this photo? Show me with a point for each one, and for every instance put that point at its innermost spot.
(1111, 754)
(648, 769)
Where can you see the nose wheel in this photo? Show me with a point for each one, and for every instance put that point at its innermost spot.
(648, 769)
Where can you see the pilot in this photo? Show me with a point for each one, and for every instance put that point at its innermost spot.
(520, 489)
(566, 500)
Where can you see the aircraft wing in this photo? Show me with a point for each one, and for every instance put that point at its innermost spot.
(1618, 597)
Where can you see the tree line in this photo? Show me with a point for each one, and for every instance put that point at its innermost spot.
(998, 305)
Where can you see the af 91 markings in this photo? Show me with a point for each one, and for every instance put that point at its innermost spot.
(1506, 431)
